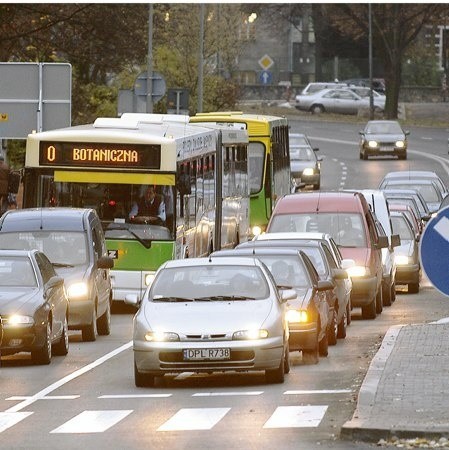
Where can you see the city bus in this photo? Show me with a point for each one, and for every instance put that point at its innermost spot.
(199, 174)
(269, 159)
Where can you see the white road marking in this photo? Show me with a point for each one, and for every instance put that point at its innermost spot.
(92, 421)
(194, 419)
(296, 417)
(136, 396)
(442, 228)
(53, 397)
(43, 393)
(322, 391)
(225, 394)
(8, 419)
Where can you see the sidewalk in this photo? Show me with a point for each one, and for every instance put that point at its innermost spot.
(405, 393)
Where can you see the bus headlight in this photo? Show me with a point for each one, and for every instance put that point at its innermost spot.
(256, 230)
(78, 290)
(149, 278)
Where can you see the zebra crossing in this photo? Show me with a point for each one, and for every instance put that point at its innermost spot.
(184, 419)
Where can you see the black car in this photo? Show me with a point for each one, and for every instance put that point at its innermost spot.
(33, 306)
(383, 137)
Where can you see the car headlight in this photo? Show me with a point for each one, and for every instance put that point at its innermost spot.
(250, 334)
(256, 230)
(372, 144)
(358, 271)
(149, 278)
(401, 260)
(308, 171)
(297, 316)
(161, 336)
(16, 320)
(400, 144)
(78, 290)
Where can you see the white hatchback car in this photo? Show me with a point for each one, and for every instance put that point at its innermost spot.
(211, 314)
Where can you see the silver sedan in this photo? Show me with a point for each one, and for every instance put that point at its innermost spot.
(211, 314)
(342, 101)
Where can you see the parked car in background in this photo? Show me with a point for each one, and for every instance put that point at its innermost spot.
(33, 306)
(305, 165)
(427, 188)
(317, 86)
(342, 101)
(407, 257)
(326, 258)
(346, 216)
(310, 314)
(211, 314)
(383, 137)
(364, 92)
(73, 240)
(417, 175)
(378, 83)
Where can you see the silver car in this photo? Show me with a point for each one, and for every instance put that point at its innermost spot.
(211, 314)
(305, 165)
(342, 101)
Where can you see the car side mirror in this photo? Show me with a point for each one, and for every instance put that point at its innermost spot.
(361, 133)
(316, 149)
(407, 132)
(426, 218)
(417, 237)
(340, 274)
(395, 240)
(382, 242)
(287, 294)
(324, 285)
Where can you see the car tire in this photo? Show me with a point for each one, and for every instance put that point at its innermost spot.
(393, 292)
(89, 332)
(386, 294)
(332, 329)
(317, 109)
(104, 322)
(43, 354)
(379, 301)
(143, 379)
(276, 376)
(61, 348)
(341, 332)
(323, 346)
(369, 311)
(348, 313)
(413, 288)
(287, 361)
(311, 356)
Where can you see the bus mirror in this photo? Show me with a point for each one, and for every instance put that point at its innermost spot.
(183, 184)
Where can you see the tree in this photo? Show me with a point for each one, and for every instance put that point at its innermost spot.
(395, 27)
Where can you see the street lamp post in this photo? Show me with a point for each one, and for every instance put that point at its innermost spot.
(370, 63)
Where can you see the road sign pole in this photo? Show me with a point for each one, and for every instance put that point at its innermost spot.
(150, 61)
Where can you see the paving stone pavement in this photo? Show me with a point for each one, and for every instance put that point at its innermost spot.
(405, 393)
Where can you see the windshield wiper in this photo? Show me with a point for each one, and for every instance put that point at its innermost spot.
(57, 264)
(224, 298)
(145, 242)
(173, 299)
(283, 286)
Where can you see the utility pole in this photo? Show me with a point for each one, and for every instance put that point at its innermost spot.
(370, 63)
(200, 61)
(150, 61)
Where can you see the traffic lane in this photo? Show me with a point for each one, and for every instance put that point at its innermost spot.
(19, 377)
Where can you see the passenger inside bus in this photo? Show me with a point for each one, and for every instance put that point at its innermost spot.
(149, 208)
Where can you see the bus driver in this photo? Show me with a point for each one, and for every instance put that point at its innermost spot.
(150, 208)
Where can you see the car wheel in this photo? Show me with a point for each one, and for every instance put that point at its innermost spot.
(143, 379)
(379, 305)
(317, 109)
(348, 312)
(386, 294)
(310, 356)
(393, 292)
(323, 346)
(369, 311)
(276, 375)
(341, 332)
(62, 346)
(104, 322)
(89, 333)
(43, 354)
(332, 329)
(413, 288)
(287, 361)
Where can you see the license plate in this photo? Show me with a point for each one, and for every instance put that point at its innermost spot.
(198, 354)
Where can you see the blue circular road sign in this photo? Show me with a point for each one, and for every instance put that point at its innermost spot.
(434, 251)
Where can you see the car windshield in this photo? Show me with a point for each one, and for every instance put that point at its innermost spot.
(297, 141)
(301, 154)
(210, 282)
(346, 228)
(17, 271)
(384, 128)
(61, 247)
(428, 191)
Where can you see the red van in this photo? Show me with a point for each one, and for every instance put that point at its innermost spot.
(347, 217)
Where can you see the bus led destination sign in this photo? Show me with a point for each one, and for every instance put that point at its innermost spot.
(84, 154)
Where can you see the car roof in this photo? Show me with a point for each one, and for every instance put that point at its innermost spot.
(292, 235)
(223, 260)
(323, 201)
(248, 250)
(16, 253)
(411, 174)
(36, 219)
